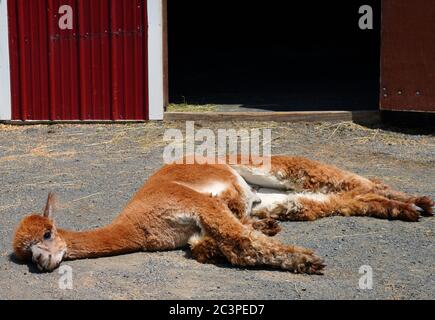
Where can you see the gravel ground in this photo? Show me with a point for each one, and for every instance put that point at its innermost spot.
(94, 169)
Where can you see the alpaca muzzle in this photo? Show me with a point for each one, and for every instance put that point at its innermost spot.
(45, 260)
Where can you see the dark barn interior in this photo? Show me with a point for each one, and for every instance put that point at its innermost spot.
(273, 55)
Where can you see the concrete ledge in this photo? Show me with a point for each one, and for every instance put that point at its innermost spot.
(302, 116)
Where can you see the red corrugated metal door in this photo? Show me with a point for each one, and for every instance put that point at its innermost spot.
(408, 55)
(95, 71)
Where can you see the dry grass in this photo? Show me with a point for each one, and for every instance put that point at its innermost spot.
(185, 107)
(358, 134)
(44, 152)
(9, 127)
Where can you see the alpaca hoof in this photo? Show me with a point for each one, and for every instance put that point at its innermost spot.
(408, 213)
(420, 207)
(314, 265)
(417, 208)
(307, 264)
(426, 204)
(269, 227)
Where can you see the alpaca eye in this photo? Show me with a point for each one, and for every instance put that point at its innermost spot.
(47, 235)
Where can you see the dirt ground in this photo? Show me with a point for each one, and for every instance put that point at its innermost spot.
(94, 169)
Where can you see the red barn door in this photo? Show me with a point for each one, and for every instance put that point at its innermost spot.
(97, 70)
(408, 55)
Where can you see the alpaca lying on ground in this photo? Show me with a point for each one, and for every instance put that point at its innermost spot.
(224, 213)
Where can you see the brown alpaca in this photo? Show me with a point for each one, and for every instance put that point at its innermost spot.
(224, 213)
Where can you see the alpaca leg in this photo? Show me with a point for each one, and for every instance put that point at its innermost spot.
(243, 246)
(240, 243)
(301, 174)
(361, 204)
(255, 250)
(313, 206)
(206, 250)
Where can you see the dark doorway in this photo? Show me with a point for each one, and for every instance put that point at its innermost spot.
(274, 55)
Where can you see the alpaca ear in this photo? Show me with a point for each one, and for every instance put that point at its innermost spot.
(49, 207)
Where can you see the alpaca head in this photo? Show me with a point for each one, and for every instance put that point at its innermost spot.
(37, 239)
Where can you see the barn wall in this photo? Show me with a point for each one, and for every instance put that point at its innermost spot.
(96, 71)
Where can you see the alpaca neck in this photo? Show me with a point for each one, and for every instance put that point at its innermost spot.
(113, 239)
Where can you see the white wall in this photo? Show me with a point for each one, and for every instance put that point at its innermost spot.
(5, 79)
(155, 59)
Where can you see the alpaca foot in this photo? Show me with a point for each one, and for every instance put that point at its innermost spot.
(405, 212)
(304, 263)
(269, 227)
(424, 205)
(205, 250)
(296, 259)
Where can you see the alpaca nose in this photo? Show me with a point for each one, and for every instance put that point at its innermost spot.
(45, 263)
(46, 260)
(39, 261)
(47, 266)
